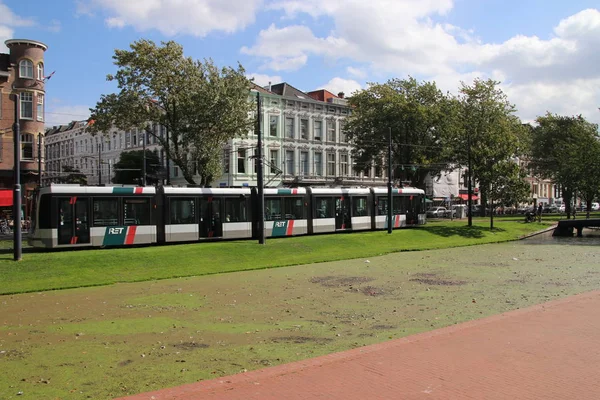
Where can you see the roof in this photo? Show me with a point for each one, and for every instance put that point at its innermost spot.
(288, 91)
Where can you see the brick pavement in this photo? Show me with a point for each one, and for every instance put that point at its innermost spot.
(548, 351)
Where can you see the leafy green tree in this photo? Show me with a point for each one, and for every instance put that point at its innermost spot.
(201, 105)
(72, 175)
(565, 150)
(418, 116)
(128, 170)
(492, 134)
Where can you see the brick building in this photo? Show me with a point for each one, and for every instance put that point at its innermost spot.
(22, 72)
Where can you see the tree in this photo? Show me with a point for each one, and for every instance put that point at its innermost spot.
(415, 112)
(128, 170)
(565, 149)
(201, 106)
(72, 175)
(492, 134)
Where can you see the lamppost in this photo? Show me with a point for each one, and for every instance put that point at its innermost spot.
(17, 179)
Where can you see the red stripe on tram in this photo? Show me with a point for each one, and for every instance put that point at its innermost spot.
(290, 228)
(130, 234)
(73, 239)
(138, 190)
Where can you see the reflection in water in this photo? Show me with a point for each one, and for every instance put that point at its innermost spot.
(591, 237)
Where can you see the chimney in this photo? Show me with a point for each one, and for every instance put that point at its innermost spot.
(269, 86)
(341, 95)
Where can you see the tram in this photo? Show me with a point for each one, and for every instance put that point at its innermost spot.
(67, 216)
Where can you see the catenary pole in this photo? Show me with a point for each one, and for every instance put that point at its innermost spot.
(389, 194)
(260, 173)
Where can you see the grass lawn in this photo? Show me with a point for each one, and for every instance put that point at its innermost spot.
(71, 269)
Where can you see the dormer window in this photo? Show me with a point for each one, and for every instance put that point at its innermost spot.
(26, 69)
(40, 72)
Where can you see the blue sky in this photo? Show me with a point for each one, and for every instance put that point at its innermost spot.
(545, 52)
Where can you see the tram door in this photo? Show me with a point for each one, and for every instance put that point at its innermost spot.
(73, 223)
(211, 224)
(342, 213)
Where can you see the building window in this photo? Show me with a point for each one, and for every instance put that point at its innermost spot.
(241, 161)
(40, 107)
(274, 163)
(289, 128)
(40, 71)
(331, 131)
(318, 130)
(344, 164)
(127, 140)
(289, 162)
(26, 69)
(273, 125)
(303, 129)
(27, 146)
(319, 164)
(331, 164)
(343, 138)
(226, 160)
(304, 170)
(27, 105)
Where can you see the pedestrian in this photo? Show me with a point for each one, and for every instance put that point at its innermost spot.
(539, 213)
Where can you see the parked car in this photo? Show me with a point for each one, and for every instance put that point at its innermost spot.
(562, 208)
(550, 209)
(437, 212)
(595, 206)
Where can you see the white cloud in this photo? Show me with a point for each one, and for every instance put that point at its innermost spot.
(400, 38)
(357, 72)
(8, 21)
(58, 114)
(172, 17)
(347, 86)
(264, 80)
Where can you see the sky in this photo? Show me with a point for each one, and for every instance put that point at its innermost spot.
(544, 53)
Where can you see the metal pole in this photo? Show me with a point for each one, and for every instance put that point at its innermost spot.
(389, 195)
(167, 155)
(469, 184)
(17, 178)
(144, 164)
(100, 163)
(259, 170)
(40, 159)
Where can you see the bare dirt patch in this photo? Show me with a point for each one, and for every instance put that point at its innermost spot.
(340, 281)
(190, 346)
(435, 280)
(301, 339)
(372, 291)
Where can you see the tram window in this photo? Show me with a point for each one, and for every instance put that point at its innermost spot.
(294, 208)
(360, 207)
(324, 207)
(235, 210)
(45, 212)
(382, 205)
(183, 211)
(106, 212)
(273, 209)
(400, 204)
(136, 211)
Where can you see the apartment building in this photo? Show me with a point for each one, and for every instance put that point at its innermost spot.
(22, 72)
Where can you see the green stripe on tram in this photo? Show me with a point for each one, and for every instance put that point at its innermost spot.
(284, 191)
(122, 190)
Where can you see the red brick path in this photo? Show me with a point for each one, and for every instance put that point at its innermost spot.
(548, 351)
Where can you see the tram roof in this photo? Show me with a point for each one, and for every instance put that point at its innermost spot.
(215, 191)
(336, 191)
(78, 189)
(405, 190)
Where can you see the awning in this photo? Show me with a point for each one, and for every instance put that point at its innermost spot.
(428, 200)
(466, 197)
(6, 198)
